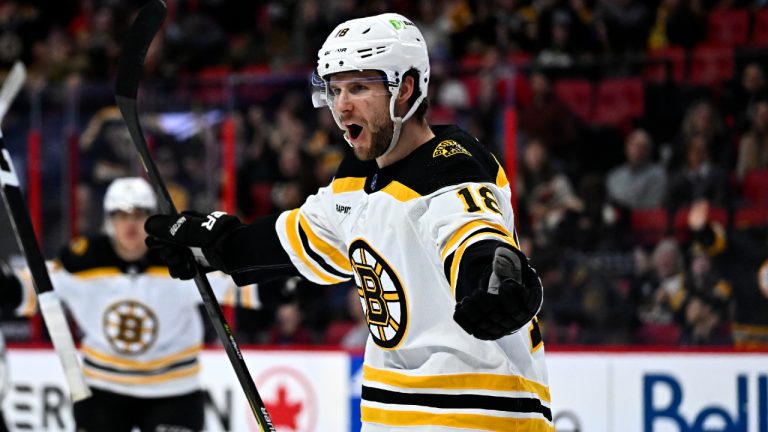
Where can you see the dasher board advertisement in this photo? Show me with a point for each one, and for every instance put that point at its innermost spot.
(317, 391)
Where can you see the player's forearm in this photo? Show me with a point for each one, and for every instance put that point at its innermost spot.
(255, 253)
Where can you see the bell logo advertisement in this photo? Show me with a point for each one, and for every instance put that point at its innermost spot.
(671, 392)
(319, 391)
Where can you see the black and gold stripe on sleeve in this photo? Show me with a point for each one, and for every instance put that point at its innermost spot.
(456, 247)
(325, 261)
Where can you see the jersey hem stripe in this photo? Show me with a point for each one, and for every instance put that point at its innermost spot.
(463, 401)
(140, 365)
(479, 381)
(466, 421)
(140, 380)
(133, 372)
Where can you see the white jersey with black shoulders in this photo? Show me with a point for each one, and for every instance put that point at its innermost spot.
(142, 330)
(403, 234)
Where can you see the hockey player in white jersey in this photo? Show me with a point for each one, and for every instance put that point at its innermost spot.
(142, 330)
(420, 218)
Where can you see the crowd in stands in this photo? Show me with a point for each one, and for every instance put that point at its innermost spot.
(642, 142)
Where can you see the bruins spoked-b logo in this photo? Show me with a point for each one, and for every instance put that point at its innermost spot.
(130, 327)
(381, 294)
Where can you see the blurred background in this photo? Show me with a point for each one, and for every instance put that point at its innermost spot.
(612, 117)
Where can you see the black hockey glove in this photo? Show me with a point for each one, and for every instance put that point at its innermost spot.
(10, 290)
(511, 299)
(181, 239)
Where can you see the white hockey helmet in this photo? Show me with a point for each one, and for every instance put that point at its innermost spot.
(389, 43)
(128, 193)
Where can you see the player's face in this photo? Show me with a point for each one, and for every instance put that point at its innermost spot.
(129, 230)
(361, 100)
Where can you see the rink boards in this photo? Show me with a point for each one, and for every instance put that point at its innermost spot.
(319, 391)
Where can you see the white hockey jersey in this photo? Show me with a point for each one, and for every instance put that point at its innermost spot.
(400, 232)
(142, 330)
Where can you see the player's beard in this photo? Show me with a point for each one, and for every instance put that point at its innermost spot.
(381, 131)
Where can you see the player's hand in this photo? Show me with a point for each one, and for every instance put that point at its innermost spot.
(181, 239)
(512, 298)
(10, 287)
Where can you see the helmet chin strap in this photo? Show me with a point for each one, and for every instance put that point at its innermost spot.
(398, 126)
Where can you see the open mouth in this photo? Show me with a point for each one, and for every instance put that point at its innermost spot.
(354, 130)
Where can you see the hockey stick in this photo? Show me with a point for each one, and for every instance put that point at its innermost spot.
(50, 305)
(129, 72)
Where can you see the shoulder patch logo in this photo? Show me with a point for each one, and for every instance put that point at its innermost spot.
(449, 148)
(78, 246)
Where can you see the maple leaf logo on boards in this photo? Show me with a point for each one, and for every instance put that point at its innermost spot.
(289, 398)
(283, 411)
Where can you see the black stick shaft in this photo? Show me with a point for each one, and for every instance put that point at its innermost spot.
(22, 224)
(129, 72)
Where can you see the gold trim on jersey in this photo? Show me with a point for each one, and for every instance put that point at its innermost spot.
(466, 381)
(230, 296)
(139, 365)
(501, 176)
(324, 248)
(247, 296)
(400, 191)
(193, 370)
(158, 271)
(98, 272)
(109, 271)
(291, 230)
(469, 226)
(452, 419)
(347, 184)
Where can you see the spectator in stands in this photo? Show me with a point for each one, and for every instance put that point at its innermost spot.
(659, 294)
(288, 328)
(639, 183)
(702, 118)
(351, 332)
(257, 170)
(742, 256)
(740, 100)
(549, 120)
(700, 178)
(545, 192)
(595, 225)
(677, 23)
(622, 25)
(705, 312)
(108, 150)
(517, 29)
(753, 148)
